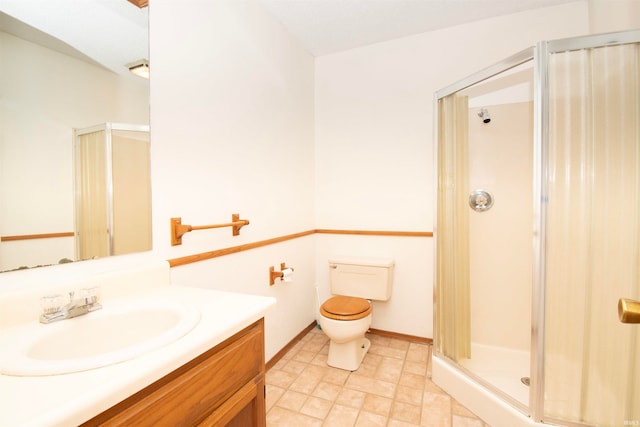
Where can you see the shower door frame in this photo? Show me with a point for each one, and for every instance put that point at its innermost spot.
(540, 55)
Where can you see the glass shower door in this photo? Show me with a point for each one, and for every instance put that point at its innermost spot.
(591, 360)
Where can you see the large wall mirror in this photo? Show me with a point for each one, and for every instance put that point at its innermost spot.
(65, 67)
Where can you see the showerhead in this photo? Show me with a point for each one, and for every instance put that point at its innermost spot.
(484, 115)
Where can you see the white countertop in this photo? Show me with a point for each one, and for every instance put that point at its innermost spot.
(71, 399)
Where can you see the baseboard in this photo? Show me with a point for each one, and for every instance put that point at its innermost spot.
(294, 341)
(404, 337)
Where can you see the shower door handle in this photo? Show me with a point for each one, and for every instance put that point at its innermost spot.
(629, 310)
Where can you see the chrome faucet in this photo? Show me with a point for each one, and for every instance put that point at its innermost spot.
(53, 310)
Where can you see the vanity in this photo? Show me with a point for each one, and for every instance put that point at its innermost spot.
(224, 386)
(211, 374)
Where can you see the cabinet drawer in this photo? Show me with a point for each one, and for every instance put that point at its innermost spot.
(193, 391)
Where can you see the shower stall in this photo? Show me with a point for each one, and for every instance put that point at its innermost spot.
(538, 235)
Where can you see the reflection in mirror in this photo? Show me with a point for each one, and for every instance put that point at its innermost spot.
(58, 75)
(112, 190)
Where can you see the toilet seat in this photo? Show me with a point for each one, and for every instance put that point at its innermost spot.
(346, 308)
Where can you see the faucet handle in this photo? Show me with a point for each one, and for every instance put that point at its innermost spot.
(52, 303)
(91, 297)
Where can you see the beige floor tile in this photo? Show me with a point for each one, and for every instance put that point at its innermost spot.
(418, 368)
(280, 364)
(273, 393)
(436, 410)
(292, 400)
(366, 370)
(369, 419)
(307, 381)
(458, 409)
(418, 352)
(387, 351)
(281, 417)
(398, 423)
(319, 338)
(459, 421)
(399, 344)
(371, 359)
(304, 356)
(370, 385)
(405, 412)
(314, 345)
(412, 380)
(295, 349)
(432, 387)
(352, 398)
(327, 391)
(280, 378)
(389, 369)
(320, 359)
(375, 338)
(341, 416)
(316, 407)
(377, 404)
(336, 376)
(294, 367)
(409, 395)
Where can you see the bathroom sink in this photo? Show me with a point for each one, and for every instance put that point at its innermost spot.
(120, 331)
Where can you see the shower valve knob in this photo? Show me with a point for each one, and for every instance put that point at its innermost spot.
(480, 200)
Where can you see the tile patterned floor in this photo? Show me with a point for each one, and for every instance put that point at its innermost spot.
(391, 388)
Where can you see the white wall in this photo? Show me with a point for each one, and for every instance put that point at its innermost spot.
(374, 165)
(46, 94)
(232, 120)
(613, 15)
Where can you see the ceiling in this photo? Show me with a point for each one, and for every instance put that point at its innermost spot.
(114, 33)
(329, 26)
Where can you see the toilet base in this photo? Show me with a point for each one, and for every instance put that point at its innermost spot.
(348, 355)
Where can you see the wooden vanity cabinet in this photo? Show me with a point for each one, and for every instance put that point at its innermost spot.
(222, 387)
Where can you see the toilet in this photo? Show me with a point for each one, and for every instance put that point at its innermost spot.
(346, 316)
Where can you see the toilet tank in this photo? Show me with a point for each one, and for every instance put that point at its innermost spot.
(369, 278)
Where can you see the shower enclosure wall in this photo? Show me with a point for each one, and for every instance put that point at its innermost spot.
(538, 235)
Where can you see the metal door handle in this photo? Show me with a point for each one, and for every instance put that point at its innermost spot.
(629, 310)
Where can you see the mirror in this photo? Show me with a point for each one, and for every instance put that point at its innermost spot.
(64, 67)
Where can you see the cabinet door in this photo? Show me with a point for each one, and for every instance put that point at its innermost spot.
(243, 409)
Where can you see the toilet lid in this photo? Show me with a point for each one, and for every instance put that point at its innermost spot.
(346, 308)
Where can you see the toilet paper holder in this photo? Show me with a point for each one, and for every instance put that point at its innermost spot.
(283, 274)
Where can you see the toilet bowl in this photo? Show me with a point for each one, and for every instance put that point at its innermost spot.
(345, 320)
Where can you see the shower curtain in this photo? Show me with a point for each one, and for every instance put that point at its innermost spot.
(592, 361)
(453, 333)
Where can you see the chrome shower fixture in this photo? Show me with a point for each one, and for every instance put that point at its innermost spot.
(484, 115)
